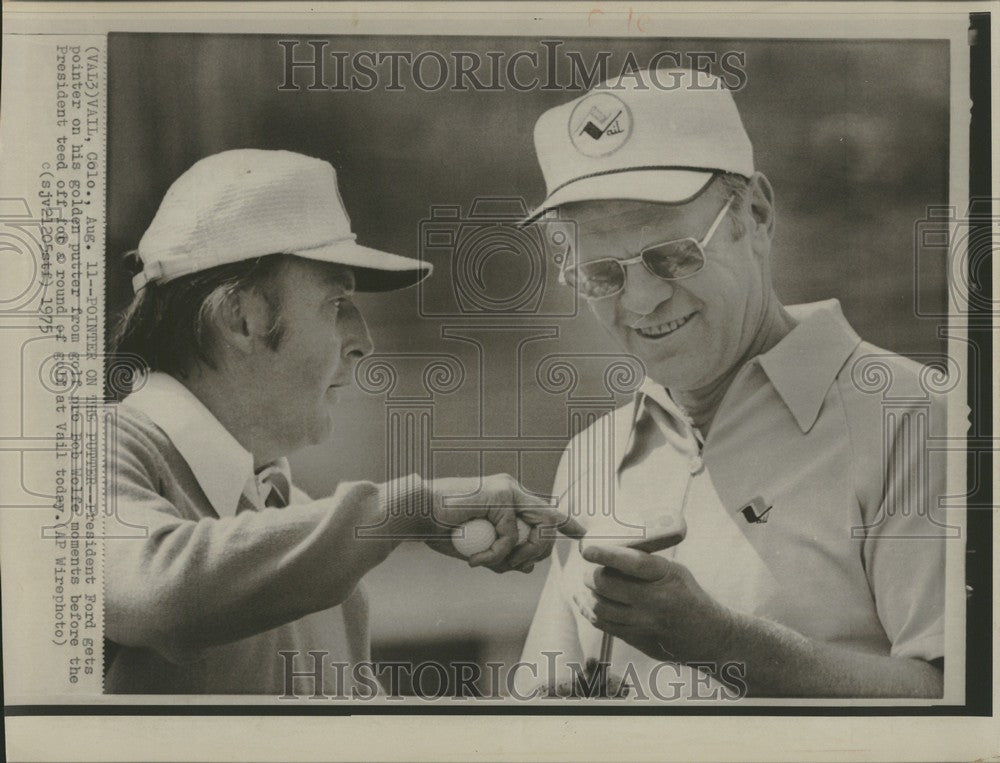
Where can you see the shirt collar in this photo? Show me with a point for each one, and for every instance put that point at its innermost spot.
(673, 418)
(220, 464)
(659, 395)
(276, 474)
(803, 365)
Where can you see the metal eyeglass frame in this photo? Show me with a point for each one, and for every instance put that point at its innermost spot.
(624, 264)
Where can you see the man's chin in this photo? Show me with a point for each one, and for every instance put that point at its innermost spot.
(322, 428)
(671, 374)
(666, 368)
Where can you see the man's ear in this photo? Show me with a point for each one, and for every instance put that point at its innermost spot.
(762, 208)
(242, 318)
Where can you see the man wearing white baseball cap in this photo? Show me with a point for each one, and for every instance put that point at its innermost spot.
(244, 316)
(813, 558)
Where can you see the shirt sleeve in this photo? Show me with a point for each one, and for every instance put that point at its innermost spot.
(906, 538)
(179, 586)
(552, 640)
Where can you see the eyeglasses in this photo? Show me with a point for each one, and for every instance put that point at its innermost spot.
(670, 261)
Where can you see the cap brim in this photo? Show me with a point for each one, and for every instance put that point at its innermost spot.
(656, 185)
(374, 270)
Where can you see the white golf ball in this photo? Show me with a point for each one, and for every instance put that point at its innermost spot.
(479, 534)
(474, 536)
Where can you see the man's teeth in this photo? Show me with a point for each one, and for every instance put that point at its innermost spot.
(664, 328)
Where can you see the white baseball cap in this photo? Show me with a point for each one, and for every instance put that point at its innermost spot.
(657, 136)
(246, 203)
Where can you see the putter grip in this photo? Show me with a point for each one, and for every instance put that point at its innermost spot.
(659, 535)
(653, 543)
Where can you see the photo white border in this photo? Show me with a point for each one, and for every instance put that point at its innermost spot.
(519, 736)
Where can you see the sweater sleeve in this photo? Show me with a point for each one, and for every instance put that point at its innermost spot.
(185, 585)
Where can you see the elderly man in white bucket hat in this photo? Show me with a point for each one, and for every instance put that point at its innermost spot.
(790, 542)
(234, 581)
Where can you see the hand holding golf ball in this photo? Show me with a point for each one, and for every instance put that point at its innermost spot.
(492, 521)
(478, 535)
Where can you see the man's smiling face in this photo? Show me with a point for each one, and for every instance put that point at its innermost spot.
(691, 331)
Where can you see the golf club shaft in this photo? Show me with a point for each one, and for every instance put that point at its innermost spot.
(607, 644)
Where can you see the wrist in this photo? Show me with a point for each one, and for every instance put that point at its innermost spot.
(723, 636)
(406, 503)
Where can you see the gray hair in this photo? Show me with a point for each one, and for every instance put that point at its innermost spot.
(738, 187)
(171, 325)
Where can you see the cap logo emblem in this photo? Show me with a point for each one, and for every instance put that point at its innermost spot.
(600, 124)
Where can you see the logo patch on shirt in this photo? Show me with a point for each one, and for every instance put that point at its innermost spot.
(600, 124)
(757, 511)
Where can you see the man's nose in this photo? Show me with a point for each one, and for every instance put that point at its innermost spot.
(643, 291)
(357, 341)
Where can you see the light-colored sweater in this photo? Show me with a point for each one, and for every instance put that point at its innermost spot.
(203, 604)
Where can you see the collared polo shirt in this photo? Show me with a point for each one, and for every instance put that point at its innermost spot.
(811, 502)
(224, 468)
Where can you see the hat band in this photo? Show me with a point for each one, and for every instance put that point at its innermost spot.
(640, 168)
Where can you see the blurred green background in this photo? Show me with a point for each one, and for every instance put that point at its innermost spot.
(852, 134)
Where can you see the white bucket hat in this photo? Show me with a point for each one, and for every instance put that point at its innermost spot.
(246, 203)
(658, 136)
